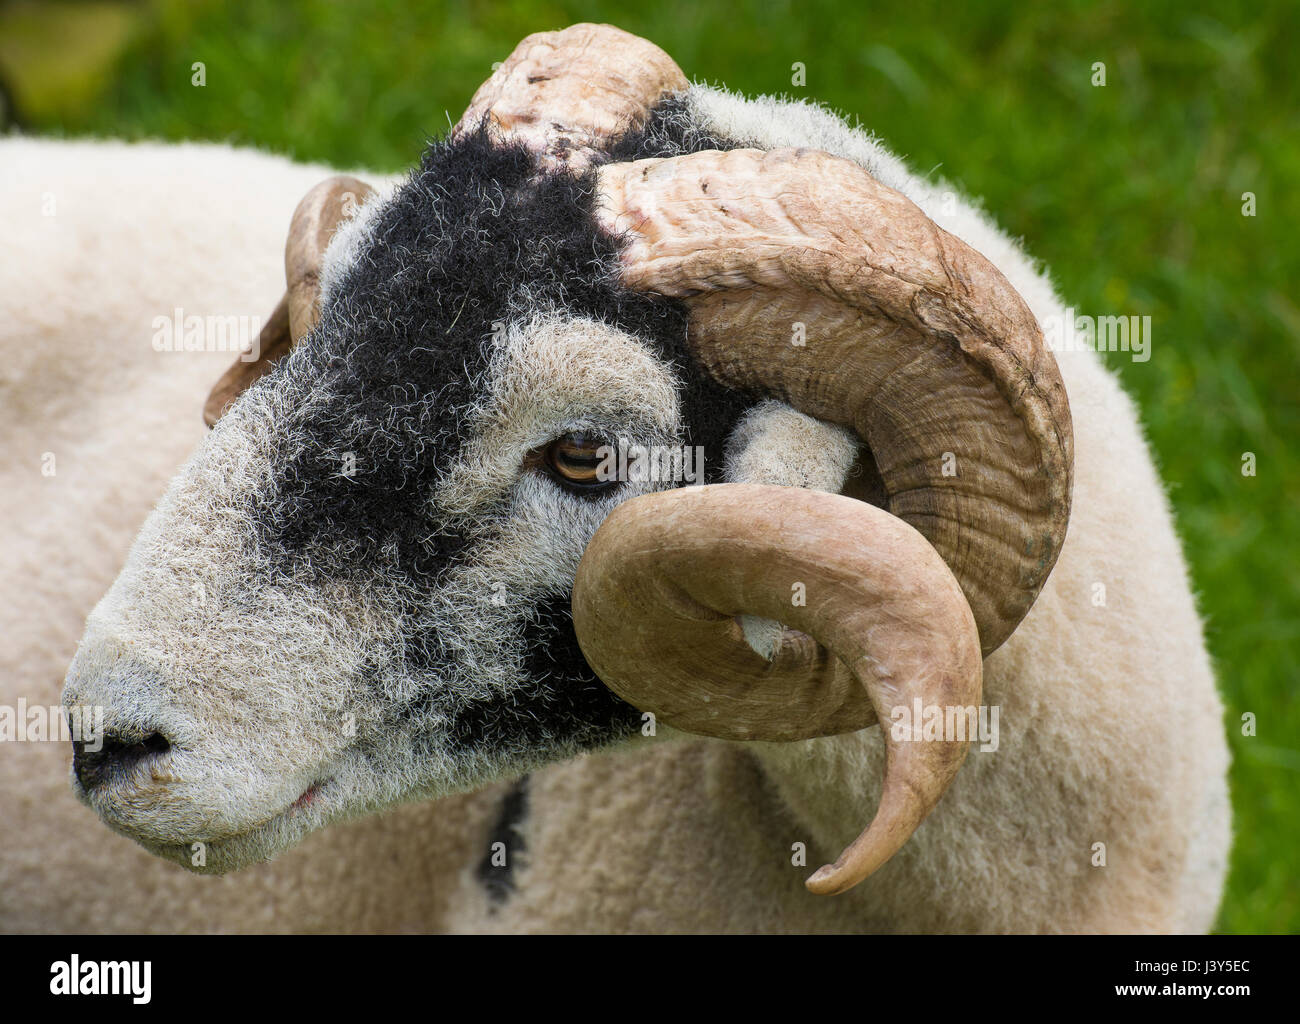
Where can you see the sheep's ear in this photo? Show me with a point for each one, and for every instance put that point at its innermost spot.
(273, 342)
(317, 217)
(774, 443)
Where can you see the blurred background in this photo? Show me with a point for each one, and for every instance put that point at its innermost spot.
(1132, 192)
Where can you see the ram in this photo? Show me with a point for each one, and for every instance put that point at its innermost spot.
(400, 567)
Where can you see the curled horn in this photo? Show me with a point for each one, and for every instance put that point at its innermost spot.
(922, 347)
(656, 602)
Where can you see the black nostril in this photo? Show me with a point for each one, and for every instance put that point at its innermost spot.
(117, 755)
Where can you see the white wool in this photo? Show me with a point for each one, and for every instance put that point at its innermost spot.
(351, 236)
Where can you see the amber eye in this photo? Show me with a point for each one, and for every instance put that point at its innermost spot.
(577, 460)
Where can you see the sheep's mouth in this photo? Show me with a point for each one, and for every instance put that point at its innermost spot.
(309, 794)
(310, 799)
(311, 811)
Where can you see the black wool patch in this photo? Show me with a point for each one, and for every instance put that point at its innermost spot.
(496, 877)
(560, 702)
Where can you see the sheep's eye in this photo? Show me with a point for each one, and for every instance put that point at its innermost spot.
(576, 460)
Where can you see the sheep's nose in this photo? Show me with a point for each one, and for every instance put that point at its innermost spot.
(118, 753)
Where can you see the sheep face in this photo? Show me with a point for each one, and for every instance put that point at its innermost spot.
(357, 590)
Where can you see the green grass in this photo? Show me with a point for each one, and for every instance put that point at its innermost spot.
(1131, 193)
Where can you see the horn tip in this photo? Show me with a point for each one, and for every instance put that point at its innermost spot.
(829, 881)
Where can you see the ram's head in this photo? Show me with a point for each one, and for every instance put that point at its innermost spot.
(397, 567)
